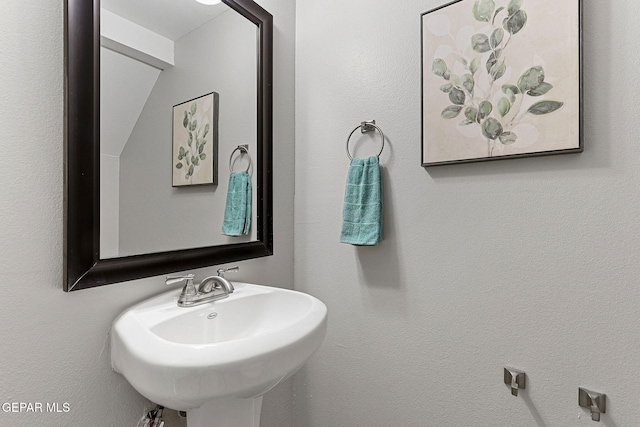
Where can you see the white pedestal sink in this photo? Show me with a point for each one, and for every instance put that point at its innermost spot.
(215, 361)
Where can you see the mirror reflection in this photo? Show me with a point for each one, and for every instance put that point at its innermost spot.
(177, 97)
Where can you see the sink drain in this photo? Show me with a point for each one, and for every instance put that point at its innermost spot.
(212, 315)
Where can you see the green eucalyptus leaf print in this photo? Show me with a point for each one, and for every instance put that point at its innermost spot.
(480, 43)
(485, 109)
(496, 37)
(544, 107)
(451, 112)
(196, 120)
(471, 113)
(498, 10)
(531, 79)
(497, 71)
(508, 138)
(468, 82)
(483, 10)
(446, 88)
(439, 67)
(491, 128)
(514, 23)
(457, 96)
(514, 6)
(514, 89)
(504, 106)
(493, 60)
(473, 67)
(540, 90)
(482, 85)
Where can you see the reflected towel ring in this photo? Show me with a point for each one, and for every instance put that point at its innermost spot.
(367, 126)
(244, 148)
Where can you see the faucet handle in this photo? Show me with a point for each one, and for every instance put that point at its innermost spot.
(221, 271)
(189, 288)
(172, 280)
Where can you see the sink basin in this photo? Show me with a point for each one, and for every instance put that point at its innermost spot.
(216, 360)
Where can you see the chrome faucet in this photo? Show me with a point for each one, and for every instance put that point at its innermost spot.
(211, 288)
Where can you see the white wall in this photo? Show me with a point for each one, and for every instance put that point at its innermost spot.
(125, 85)
(121, 78)
(54, 344)
(135, 41)
(531, 263)
(109, 205)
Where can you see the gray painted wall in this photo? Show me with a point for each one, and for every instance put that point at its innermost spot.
(531, 263)
(54, 344)
(154, 216)
(125, 85)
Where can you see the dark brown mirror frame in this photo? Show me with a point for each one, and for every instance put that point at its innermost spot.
(83, 267)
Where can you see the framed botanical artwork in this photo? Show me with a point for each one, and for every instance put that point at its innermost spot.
(195, 141)
(501, 79)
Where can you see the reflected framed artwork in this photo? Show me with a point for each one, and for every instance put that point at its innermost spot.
(195, 141)
(501, 79)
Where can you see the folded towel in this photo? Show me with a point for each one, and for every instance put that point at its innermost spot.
(237, 214)
(363, 212)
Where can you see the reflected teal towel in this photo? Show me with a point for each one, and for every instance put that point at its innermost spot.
(362, 214)
(237, 214)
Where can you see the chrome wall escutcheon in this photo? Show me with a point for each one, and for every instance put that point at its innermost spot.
(367, 126)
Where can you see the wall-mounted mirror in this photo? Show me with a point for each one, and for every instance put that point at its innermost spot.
(160, 95)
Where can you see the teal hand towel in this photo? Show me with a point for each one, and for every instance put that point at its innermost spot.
(363, 210)
(237, 214)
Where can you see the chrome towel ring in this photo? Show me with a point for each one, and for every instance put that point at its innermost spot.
(366, 126)
(240, 148)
